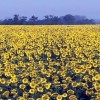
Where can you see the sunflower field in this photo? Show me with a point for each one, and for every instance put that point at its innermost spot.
(50, 62)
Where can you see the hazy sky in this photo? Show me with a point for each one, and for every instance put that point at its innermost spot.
(89, 8)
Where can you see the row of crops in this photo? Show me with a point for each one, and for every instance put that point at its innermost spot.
(50, 62)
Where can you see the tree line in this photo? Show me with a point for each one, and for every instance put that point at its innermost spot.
(47, 20)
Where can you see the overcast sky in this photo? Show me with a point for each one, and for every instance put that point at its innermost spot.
(89, 8)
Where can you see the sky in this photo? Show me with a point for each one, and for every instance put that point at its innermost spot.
(40, 8)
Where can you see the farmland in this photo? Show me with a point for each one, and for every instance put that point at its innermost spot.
(50, 62)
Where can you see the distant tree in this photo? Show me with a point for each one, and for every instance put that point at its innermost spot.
(10, 21)
(7, 22)
(48, 20)
(0, 22)
(86, 21)
(16, 19)
(48, 16)
(69, 19)
(51, 20)
(23, 20)
(55, 20)
(33, 20)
